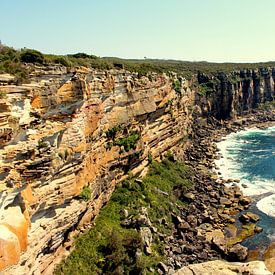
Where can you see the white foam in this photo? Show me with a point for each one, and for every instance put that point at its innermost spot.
(267, 205)
(228, 166)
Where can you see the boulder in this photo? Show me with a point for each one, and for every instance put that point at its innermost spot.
(163, 267)
(146, 236)
(252, 216)
(269, 257)
(225, 201)
(184, 226)
(192, 220)
(237, 253)
(190, 196)
(245, 200)
(249, 217)
(220, 267)
(244, 218)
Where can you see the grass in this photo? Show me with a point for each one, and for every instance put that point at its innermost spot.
(112, 248)
(85, 194)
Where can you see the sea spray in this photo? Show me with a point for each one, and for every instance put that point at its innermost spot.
(249, 156)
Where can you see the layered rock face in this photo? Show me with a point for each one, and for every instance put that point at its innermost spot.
(87, 130)
(69, 131)
(228, 96)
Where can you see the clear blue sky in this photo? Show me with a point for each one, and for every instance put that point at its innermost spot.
(212, 30)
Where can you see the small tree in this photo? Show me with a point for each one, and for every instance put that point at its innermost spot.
(31, 56)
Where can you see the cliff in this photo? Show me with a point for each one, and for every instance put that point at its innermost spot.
(69, 137)
(226, 96)
(56, 139)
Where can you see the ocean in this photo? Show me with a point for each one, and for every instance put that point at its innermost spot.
(249, 156)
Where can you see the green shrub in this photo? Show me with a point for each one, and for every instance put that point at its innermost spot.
(177, 86)
(205, 89)
(2, 95)
(8, 54)
(109, 145)
(129, 142)
(150, 158)
(31, 56)
(10, 63)
(85, 194)
(82, 55)
(63, 61)
(111, 133)
(42, 144)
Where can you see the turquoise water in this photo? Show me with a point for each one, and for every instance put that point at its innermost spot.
(250, 157)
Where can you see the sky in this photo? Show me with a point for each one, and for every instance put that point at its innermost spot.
(194, 30)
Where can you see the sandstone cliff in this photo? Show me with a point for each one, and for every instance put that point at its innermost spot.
(67, 131)
(55, 142)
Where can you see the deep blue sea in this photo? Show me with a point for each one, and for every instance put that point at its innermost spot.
(249, 156)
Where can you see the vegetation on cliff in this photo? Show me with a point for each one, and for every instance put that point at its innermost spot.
(116, 244)
(269, 105)
(11, 61)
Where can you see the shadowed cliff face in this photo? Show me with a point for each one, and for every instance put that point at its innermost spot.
(66, 132)
(86, 130)
(228, 96)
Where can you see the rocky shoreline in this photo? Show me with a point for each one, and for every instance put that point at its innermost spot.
(206, 229)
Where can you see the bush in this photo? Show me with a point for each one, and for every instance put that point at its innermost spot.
(31, 56)
(206, 89)
(7, 53)
(150, 158)
(10, 63)
(119, 253)
(42, 144)
(86, 194)
(82, 55)
(111, 133)
(177, 86)
(63, 61)
(129, 142)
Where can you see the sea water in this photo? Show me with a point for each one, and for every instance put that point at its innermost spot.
(249, 156)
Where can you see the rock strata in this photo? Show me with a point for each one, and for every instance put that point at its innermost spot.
(68, 137)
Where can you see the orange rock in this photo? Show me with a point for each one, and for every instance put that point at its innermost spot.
(27, 195)
(9, 248)
(15, 221)
(28, 200)
(36, 102)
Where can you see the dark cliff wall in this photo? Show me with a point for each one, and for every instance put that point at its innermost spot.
(228, 96)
